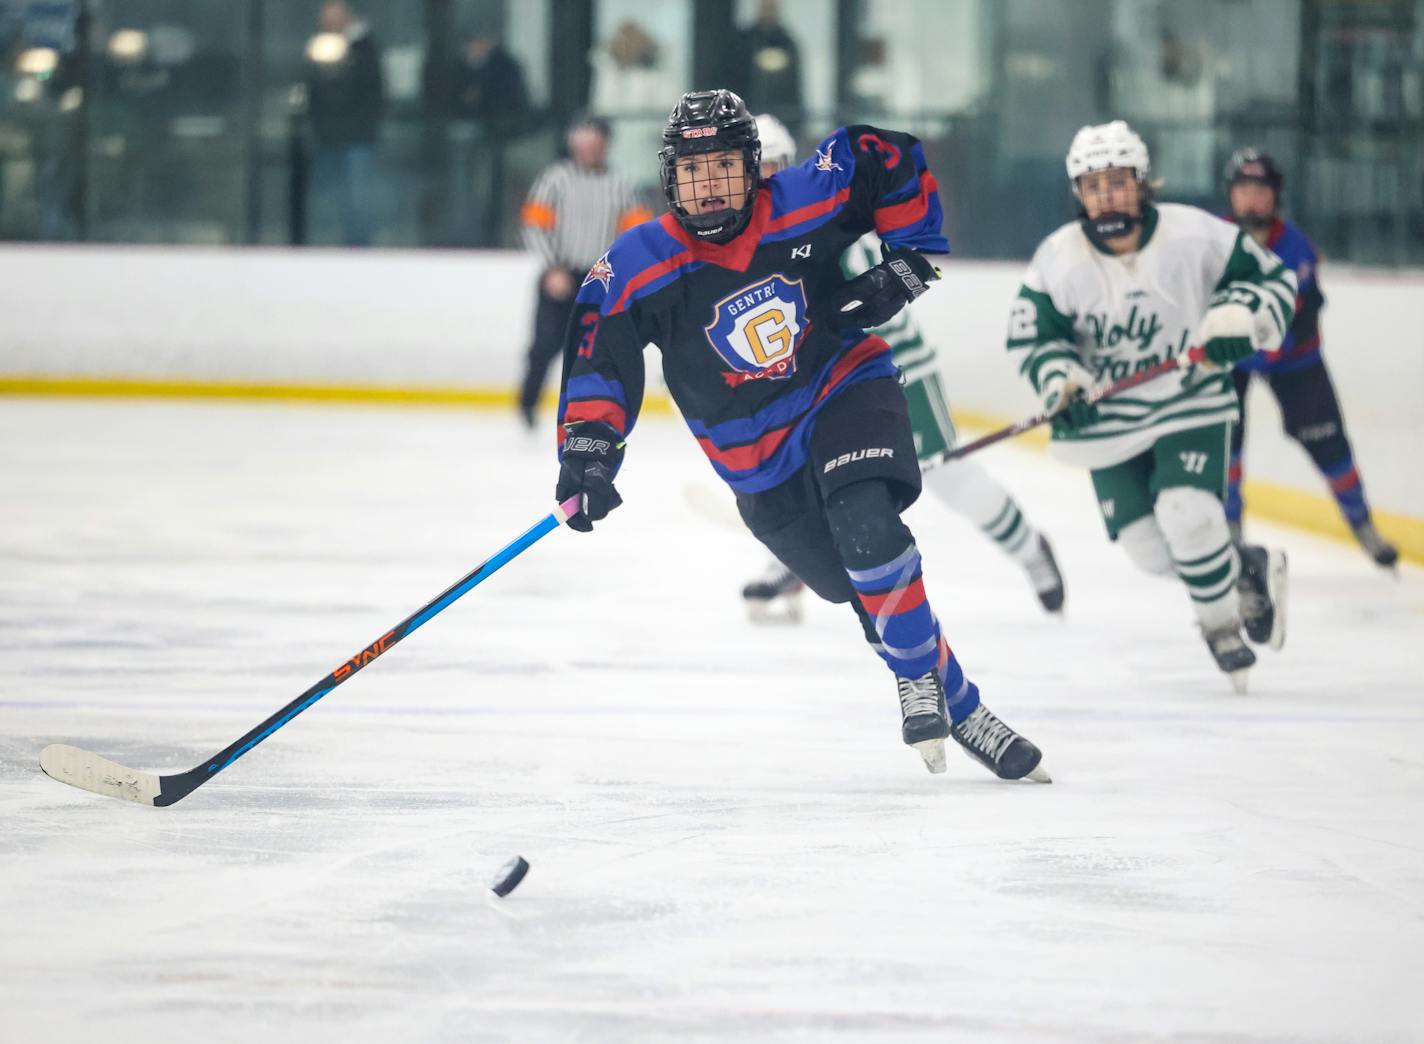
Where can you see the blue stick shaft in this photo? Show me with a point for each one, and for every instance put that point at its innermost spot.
(178, 786)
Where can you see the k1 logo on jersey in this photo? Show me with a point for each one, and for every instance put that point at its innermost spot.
(757, 330)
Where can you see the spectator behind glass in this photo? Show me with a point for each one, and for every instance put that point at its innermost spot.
(767, 67)
(489, 82)
(631, 83)
(345, 97)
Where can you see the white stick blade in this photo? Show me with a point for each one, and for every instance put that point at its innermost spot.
(79, 768)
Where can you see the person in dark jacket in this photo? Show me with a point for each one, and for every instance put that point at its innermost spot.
(489, 83)
(345, 98)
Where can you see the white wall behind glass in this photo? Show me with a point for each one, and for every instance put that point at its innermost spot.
(637, 95)
(936, 55)
(527, 28)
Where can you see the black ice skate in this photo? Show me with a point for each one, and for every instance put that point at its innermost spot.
(775, 597)
(1231, 653)
(1262, 589)
(924, 719)
(1047, 580)
(999, 748)
(1377, 547)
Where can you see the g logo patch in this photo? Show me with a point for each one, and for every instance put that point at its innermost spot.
(757, 329)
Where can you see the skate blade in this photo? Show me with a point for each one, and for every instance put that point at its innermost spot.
(1276, 584)
(932, 750)
(1238, 681)
(774, 612)
(1039, 774)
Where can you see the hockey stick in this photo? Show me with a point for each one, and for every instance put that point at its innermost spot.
(1193, 355)
(88, 771)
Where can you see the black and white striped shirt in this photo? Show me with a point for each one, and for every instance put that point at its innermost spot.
(572, 216)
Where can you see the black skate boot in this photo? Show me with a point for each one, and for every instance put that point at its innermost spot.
(1262, 589)
(999, 748)
(924, 719)
(775, 596)
(1377, 547)
(1231, 653)
(1046, 579)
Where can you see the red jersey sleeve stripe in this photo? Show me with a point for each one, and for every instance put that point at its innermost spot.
(605, 410)
(809, 211)
(647, 275)
(901, 215)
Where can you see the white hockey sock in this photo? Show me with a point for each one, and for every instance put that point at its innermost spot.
(965, 487)
(1193, 522)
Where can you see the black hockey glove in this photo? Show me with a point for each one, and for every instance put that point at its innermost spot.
(874, 296)
(591, 455)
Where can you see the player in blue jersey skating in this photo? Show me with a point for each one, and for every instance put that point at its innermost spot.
(963, 485)
(765, 352)
(1296, 371)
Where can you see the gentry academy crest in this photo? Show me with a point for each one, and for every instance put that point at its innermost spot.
(757, 329)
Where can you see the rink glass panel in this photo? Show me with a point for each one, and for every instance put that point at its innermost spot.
(198, 140)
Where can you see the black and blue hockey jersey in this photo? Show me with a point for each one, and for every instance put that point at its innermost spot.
(746, 356)
(1301, 346)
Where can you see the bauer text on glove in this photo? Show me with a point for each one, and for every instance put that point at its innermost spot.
(590, 457)
(877, 294)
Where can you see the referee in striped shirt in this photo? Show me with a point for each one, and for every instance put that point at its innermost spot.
(575, 210)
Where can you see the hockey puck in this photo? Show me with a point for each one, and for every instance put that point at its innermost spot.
(509, 876)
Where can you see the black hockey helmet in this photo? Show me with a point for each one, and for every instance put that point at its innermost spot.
(710, 121)
(1252, 164)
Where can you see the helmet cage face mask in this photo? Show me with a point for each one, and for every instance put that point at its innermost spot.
(1113, 224)
(707, 122)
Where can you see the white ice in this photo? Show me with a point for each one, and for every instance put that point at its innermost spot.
(728, 840)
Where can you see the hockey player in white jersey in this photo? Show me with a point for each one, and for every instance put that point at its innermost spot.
(1127, 285)
(963, 485)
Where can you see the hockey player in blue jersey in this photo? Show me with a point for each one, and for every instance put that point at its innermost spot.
(1296, 371)
(798, 410)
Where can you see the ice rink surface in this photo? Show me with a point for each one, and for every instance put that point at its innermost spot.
(728, 840)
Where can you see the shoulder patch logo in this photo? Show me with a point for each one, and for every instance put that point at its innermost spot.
(824, 161)
(602, 271)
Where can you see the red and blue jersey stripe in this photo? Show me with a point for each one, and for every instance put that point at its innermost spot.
(763, 450)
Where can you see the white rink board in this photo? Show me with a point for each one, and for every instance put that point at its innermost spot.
(728, 841)
(462, 319)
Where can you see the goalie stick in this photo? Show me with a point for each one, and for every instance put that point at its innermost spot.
(89, 771)
(1194, 355)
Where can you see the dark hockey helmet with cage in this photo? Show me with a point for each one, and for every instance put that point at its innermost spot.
(703, 122)
(1252, 164)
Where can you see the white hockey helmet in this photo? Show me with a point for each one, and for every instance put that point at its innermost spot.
(1106, 145)
(778, 148)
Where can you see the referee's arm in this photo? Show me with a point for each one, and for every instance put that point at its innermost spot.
(540, 216)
